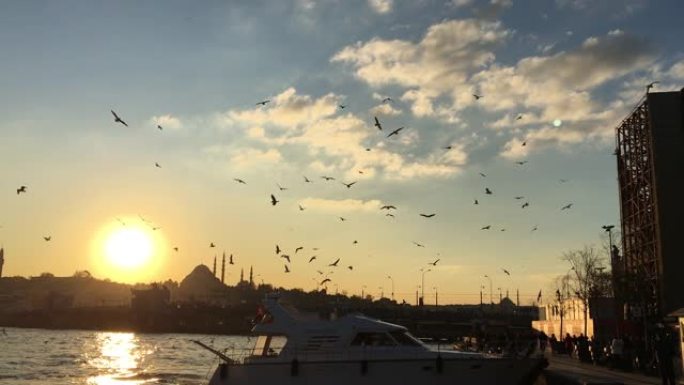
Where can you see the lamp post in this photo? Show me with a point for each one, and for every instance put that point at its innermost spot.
(382, 292)
(490, 288)
(422, 285)
(391, 279)
(500, 297)
(362, 292)
(436, 302)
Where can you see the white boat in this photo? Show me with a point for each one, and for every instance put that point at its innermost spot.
(294, 348)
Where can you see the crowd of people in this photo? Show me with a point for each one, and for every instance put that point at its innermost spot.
(622, 352)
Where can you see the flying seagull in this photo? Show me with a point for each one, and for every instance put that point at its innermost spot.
(349, 184)
(506, 271)
(323, 282)
(395, 132)
(377, 123)
(519, 117)
(281, 187)
(418, 244)
(120, 221)
(389, 215)
(434, 263)
(299, 248)
(488, 191)
(239, 180)
(21, 189)
(519, 197)
(274, 200)
(334, 263)
(524, 143)
(312, 258)
(175, 249)
(307, 180)
(48, 238)
(534, 228)
(569, 205)
(525, 205)
(287, 269)
(342, 219)
(428, 215)
(157, 165)
(355, 242)
(476, 202)
(387, 99)
(486, 227)
(287, 257)
(521, 162)
(388, 207)
(477, 97)
(263, 102)
(277, 249)
(118, 119)
(327, 178)
(155, 228)
(350, 267)
(159, 127)
(301, 208)
(483, 175)
(212, 244)
(342, 106)
(231, 260)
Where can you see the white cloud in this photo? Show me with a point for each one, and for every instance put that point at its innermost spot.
(340, 205)
(459, 3)
(385, 109)
(250, 157)
(381, 6)
(167, 122)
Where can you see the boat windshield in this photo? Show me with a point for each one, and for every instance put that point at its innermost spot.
(405, 339)
(373, 339)
(269, 346)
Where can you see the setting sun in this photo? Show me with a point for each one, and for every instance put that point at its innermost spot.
(128, 247)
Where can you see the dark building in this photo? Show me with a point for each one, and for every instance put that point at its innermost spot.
(650, 161)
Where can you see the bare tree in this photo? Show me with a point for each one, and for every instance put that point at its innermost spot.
(587, 279)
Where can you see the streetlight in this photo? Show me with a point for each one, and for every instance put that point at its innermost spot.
(500, 298)
(391, 279)
(436, 303)
(422, 285)
(382, 292)
(490, 288)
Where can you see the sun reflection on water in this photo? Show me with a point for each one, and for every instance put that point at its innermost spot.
(118, 359)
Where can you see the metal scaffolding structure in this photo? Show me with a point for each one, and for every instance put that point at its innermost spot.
(638, 271)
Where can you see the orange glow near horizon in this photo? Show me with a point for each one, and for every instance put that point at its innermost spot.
(128, 252)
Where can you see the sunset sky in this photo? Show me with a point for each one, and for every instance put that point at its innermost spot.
(570, 69)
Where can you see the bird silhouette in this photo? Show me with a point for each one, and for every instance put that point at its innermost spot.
(323, 282)
(525, 205)
(519, 117)
(506, 271)
(327, 178)
(287, 257)
(307, 180)
(175, 249)
(477, 97)
(287, 269)
(476, 202)
(377, 123)
(395, 132)
(486, 227)
(230, 262)
(502, 230)
(651, 85)
(389, 215)
(48, 238)
(569, 205)
(274, 201)
(521, 162)
(428, 215)
(299, 248)
(319, 272)
(117, 119)
(355, 242)
(277, 249)
(263, 102)
(21, 189)
(121, 221)
(281, 187)
(448, 147)
(159, 127)
(212, 244)
(488, 191)
(342, 219)
(334, 264)
(483, 175)
(563, 180)
(350, 267)
(312, 258)
(349, 184)
(342, 106)
(157, 165)
(239, 180)
(301, 208)
(524, 143)
(519, 197)
(360, 171)
(155, 228)
(534, 228)
(388, 207)
(385, 100)
(433, 263)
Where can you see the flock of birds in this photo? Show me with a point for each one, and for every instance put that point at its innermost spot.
(325, 276)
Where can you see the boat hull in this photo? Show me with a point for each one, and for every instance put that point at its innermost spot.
(487, 371)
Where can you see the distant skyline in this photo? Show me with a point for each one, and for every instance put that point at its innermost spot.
(520, 98)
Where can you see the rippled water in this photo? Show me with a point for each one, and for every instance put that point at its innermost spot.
(32, 356)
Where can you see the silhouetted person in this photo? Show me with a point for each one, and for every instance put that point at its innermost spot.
(664, 354)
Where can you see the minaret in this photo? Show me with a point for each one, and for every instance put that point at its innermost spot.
(223, 267)
(251, 276)
(214, 271)
(242, 275)
(2, 259)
